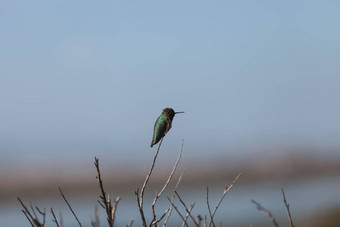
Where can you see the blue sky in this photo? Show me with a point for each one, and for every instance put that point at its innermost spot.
(90, 77)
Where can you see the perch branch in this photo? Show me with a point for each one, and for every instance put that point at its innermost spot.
(166, 184)
(140, 194)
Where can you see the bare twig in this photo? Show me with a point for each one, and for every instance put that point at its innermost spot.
(106, 202)
(140, 194)
(35, 215)
(172, 200)
(114, 209)
(208, 204)
(267, 212)
(140, 208)
(226, 190)
(28, 218)
(100, 203)
(26, 212)
(186, 209)
(75, 216)
(166, 184)
(32, 220)
(159, 219)
(54, 218)
(43, 213)
(179, 213)
(287, 208)
(187, 215)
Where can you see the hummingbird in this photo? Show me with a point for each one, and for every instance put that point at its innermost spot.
(163, 125)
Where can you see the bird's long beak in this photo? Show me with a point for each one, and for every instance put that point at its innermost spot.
(179, 112)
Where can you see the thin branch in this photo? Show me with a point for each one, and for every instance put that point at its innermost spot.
(114, 209)
(226, 190)
(100, 203)
(187, 215)
(33, 221)
(106, 202)
(54, 218)
(179, 213)
(172, 172)
(27, 218)
(140, 195)
(26, 212)
(210, 214)
(35, 215)
(287, 208)
(75, 216)
(166, 183)
(140, 208)
(186, 209)
(43, 213)
(267, 212)
(172, 200)
(159, 219)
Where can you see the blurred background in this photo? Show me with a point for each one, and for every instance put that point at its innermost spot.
(258, 80)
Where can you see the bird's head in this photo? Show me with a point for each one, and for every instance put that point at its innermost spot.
(170, 112)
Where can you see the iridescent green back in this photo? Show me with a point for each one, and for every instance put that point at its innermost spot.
(162, 125)
(159, 129)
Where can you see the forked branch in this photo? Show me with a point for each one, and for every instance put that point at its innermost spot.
(154, 221)
(226, 190)
(33, 219)
(172, 200)
(106, 202)
(140, 194)
(186, 209)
